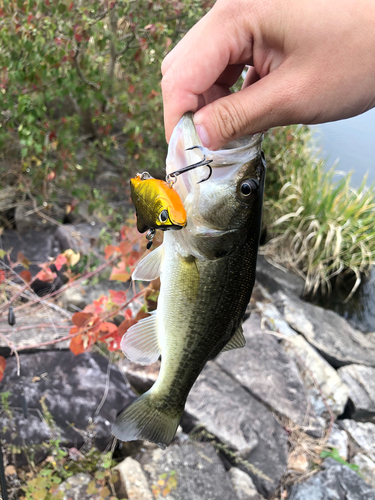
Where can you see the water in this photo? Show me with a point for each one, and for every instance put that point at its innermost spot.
(352, 144)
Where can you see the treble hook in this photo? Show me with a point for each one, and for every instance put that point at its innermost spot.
(202, 163)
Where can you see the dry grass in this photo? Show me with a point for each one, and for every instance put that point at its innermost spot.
(319, 226)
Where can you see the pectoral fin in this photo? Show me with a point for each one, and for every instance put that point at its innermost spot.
(237, 341)
(140, 343)
(149, 267)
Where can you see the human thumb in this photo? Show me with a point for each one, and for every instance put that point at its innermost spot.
(274, 100)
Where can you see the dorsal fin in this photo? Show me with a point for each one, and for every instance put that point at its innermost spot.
(140, 343)
(149, 267)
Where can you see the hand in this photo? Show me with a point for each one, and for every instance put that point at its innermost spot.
(311, 61)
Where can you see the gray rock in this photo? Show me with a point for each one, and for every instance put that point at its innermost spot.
(366, 467)
(339, 439)
(243, 485)
(337, 482)
(134, 485)
(230, 413)
(315, 370)
(73, 388)
(264, 369)
(75, 487)
(360, 381)
(274, 279)
(37, 246)
(8, 195)
(26, 217)
(274, 320)
(197, 471)
(331, 335)
(363, 435)
(82, 237)
(141, 378)
(36, 325)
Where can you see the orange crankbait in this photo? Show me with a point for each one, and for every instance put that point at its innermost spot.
(157, 205)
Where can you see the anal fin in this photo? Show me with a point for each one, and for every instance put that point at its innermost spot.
(237, 341)
(140, 343)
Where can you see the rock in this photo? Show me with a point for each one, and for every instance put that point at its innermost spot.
(243, 485)
(338, 342)
(26, 217)
(37, 246)
(264, 369)
(141, 378)
(134, 485)
(366, 467)
(336, 482)
(75, 487)
(310, 363)
(360, 381)
(274, 279)
(81, 237)
(339, 439)
(35, 325)
(73, 388)
(363, 435)
(192, 471)
(8, 195)
(274, 320)
(230, 413)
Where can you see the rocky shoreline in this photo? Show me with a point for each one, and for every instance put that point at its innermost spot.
(258, 423)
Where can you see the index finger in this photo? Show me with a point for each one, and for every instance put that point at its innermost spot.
(197, 62)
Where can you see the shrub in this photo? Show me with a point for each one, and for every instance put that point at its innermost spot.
(319, 226)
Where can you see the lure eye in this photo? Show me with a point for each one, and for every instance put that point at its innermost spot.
(248, 187)
(163, 217)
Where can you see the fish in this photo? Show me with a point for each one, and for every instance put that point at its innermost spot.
(207, 273)
(158, 205)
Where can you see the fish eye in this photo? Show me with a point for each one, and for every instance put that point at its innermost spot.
(249, 187)
(163, 217)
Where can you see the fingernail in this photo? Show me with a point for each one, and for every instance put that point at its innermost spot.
(202, 133)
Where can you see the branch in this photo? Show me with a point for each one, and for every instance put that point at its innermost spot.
(80, 74)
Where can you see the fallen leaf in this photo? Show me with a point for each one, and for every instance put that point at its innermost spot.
(10, 470)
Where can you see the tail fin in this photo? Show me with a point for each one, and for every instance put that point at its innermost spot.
(143, 420)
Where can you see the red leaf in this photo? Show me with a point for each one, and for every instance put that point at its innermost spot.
(78, 37)
(125, 247)
(2, 367)
(108, 328)
(131, 89)
(77, 345)
(60, 261)
(23, 260)
(52, 135)
(29, 18)
(2, 276)
(26, 276)
(110, 250)
(125, 325)
(120, 272)
(46, 275)
(81, 319)
(113, 343)
(71, 6)
(119, 297)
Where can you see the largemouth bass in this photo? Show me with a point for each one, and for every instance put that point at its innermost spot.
(157, 204)
(207, 273)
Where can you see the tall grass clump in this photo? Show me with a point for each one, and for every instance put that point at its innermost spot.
(317, 224)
